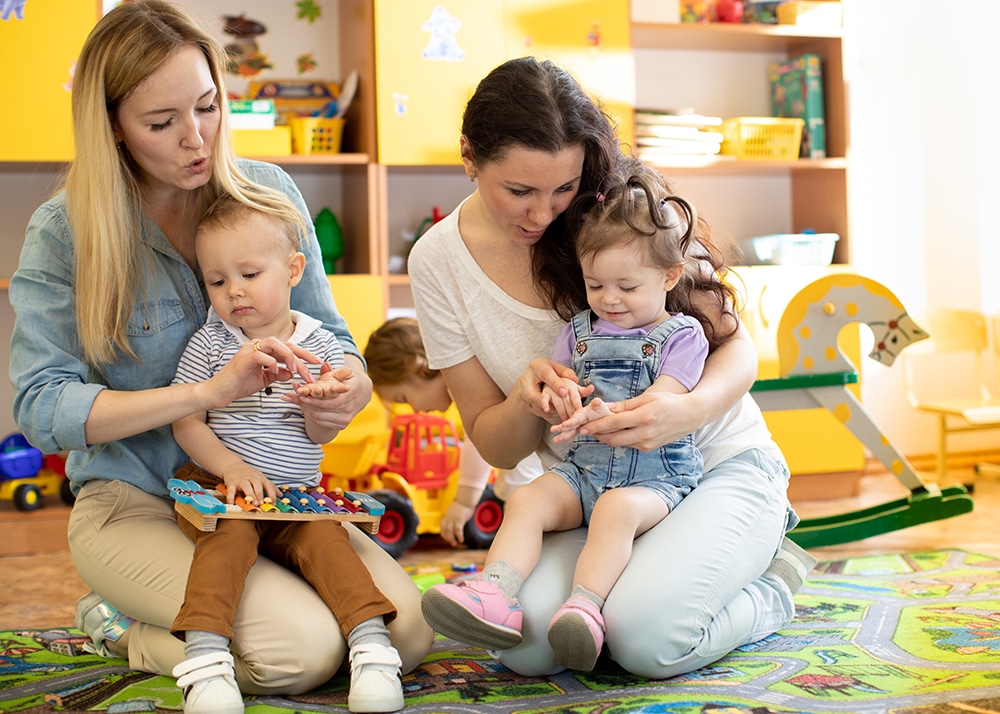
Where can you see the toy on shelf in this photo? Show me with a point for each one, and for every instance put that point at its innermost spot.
(815, 373)
(331, 239)
(26, 475)
(416, 483)
(204, 507)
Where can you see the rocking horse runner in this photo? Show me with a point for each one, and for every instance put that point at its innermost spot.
(815, 373)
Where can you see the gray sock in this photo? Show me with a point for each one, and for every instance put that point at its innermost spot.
(198, 642)
(792, 564)
(504, 575)
(582, 592)
(370, 632)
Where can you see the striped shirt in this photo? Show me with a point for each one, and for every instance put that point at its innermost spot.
(266, 432)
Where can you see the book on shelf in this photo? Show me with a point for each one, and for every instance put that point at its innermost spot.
(679, 146)
(797, 91)
(252, 114)
(648, 117)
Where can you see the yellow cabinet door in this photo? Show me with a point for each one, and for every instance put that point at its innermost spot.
(429, 57)
(814, 441)
(590, 38)
(38, 49)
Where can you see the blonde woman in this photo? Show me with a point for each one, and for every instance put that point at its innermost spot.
(106, 294)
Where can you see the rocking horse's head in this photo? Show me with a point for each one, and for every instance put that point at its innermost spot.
(807, 333)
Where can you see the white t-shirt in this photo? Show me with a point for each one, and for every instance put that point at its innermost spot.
(463, 314)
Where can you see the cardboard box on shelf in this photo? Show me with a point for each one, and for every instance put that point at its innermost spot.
(814, 14)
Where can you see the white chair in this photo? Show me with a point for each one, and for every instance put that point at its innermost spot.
(947, 376)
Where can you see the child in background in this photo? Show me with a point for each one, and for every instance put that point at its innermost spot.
(633, 248)
(250, 261)
(397, 365)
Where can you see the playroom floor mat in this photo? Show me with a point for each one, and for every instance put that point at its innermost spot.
(906, 633)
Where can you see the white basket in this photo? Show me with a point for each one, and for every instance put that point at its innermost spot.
(792, 249)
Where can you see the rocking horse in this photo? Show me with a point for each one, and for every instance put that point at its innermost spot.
(815, 373)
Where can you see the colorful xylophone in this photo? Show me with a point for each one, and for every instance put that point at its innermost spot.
(203, 507)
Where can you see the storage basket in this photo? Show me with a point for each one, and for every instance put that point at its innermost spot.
(313, 135)
(762, 138)
(792, 249)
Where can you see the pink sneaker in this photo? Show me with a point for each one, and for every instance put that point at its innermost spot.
(475, 612)
(576, 634)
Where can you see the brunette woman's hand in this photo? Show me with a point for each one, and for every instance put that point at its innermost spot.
(570, 427)
(646, 422)
(545, 373)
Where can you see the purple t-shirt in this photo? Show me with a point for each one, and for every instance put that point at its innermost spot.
(683, 355)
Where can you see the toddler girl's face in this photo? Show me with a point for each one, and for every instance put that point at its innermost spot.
(424, 395)
(624, 288)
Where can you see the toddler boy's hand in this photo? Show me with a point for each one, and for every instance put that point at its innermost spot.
(328, 385)
(241, 478)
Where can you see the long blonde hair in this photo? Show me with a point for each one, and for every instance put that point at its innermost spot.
(103, 189)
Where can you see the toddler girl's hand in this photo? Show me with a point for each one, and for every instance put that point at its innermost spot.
(570, 427)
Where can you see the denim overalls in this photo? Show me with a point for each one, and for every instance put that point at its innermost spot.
(621, 367)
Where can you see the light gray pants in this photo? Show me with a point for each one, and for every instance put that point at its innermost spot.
(128, 548)
(695, 587)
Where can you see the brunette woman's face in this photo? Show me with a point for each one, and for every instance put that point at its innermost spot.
(170, 122)
(527, 189)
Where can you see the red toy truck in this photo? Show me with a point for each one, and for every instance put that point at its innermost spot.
(416, 484)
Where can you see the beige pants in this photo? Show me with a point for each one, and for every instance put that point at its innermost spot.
(127, 546)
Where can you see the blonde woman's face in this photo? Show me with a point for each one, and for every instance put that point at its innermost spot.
(170, 123)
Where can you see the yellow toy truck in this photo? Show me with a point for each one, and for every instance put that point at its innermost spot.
(23, 479)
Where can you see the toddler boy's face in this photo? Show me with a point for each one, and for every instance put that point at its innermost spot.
(424, 395)
(249, 270)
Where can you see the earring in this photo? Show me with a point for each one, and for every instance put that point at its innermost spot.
(473, 177)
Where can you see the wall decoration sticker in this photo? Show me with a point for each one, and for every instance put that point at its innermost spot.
(443, 44)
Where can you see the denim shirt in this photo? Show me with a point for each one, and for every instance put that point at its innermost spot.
(54, 389)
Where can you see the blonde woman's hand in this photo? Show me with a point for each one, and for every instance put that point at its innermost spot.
(257, 364)
(645, 422)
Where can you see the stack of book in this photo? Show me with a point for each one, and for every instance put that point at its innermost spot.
(797, 91)
(252, 114)
(666, 136)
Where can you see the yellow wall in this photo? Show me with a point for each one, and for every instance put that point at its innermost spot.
(424, 80)
(37, 54)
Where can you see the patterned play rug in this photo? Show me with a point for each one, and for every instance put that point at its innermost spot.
(903, 634)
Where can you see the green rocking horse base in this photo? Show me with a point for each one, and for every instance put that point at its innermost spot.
(933, 504)
(926, 502)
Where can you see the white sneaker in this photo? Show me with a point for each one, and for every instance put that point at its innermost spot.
(209, 684)
(376, 683)
(101, 622)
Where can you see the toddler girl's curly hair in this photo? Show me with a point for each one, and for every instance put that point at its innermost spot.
(637, 207)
